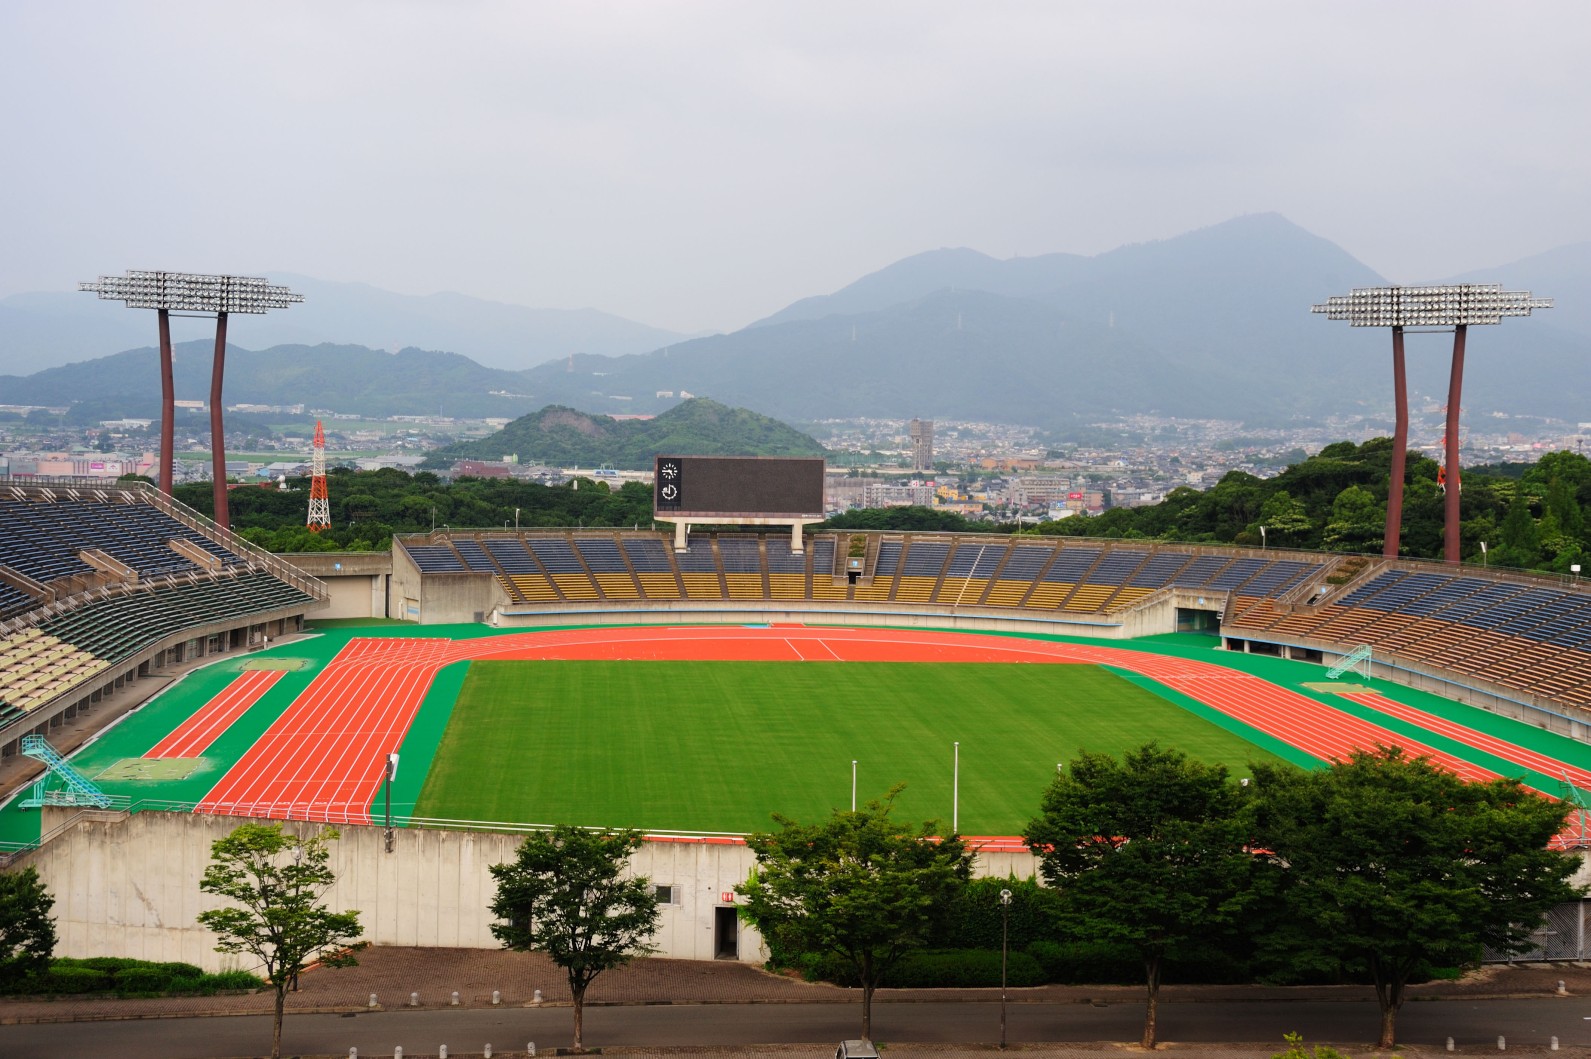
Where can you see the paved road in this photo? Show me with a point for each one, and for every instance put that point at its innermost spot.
(1475, 1025)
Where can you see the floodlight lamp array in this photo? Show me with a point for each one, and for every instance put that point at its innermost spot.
(1446, 305)
(192, 292)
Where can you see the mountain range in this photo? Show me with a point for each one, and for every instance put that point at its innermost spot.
(1210, 324)
(44, 330)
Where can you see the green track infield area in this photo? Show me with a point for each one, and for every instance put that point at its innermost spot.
(719, 746)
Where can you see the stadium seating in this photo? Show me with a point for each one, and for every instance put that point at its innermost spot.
(1521, 634)
(101, 577)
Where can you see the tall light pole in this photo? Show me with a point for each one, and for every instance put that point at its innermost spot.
(390, 773)
(193, 294)
(1005, 937)
(853, 785)
(955, 792)
(1446, 307)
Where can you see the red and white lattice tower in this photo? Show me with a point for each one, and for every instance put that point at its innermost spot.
(319, 505)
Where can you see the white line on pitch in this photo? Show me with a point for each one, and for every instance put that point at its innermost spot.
(799, 656)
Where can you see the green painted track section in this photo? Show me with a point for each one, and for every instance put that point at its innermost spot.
(911, 745)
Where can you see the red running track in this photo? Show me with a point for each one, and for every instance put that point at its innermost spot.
(323, 757)
(194, 736)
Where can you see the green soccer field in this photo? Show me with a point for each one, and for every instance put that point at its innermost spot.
(719, 746)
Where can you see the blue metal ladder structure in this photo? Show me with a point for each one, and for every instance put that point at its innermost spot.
(79, 790)
(1351, 660)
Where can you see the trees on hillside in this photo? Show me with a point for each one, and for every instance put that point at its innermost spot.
(1147, 852)
(27, 930)
(1389, 865)
(276, 883)
(567, 893)
(859, 886)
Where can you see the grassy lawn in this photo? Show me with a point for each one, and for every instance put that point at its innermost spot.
(720, 746)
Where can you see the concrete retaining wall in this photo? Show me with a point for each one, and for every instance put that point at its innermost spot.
(128, 885)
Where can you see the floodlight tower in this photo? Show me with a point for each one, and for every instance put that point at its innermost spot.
(189, 294)
(319, 504)
(1440, 309)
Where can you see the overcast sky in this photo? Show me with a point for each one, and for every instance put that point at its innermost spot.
(699, 165)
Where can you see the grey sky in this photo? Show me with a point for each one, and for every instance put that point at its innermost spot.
(699, 165)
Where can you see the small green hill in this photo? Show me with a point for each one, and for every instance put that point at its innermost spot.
(569, 438)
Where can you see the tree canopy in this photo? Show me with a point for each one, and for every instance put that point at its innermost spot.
(567, 894)
(276, 883)
(858, 885)
(1390, 865)
(27, 930)
(1146, 851)
(1533, 516)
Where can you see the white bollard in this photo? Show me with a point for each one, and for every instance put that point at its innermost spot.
(373, 1004)
(497, 997)
(353, 1053)
(1563, 990)
(487, 1054)
(397, 1053)
(530, 1049)
(1554, 1046)
(1502, 1044)
(443, 1053)
(537, 998)
(414, 1000)
(455, 1000)
(1450, 1044)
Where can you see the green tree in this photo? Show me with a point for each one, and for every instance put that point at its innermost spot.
(1521, 539)
(277, 883)
(1148, 852)
(567, 893)
(1390, 865)
(27, 930)
(1357, 522)
(858, 885)
(1286, 520)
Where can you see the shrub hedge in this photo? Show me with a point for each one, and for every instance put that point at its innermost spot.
(126, 977)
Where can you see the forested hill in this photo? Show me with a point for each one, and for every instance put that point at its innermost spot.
(696, 427)
(1534, 517)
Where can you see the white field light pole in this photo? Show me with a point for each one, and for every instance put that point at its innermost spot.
(955, 792)
(853, 785)
(390, 769)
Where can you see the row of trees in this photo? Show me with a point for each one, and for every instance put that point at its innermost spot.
(1376, 869)
(1532, 516)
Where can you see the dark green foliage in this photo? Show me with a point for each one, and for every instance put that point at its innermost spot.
(975, 917)
(274, 884)
(568, 438)
(64, 977)
(120, 976)
(963, 969)
(1534, 516)
(1386, 867)
(1086, 962)
(27, 930)
(909, 517)
(368, 507)
(1148, 853)
(568, 893)
(930, 969)
(858, 886)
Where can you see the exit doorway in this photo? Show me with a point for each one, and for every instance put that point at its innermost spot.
(726, 934)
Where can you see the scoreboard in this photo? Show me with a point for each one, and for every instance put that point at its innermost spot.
(708, 488)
